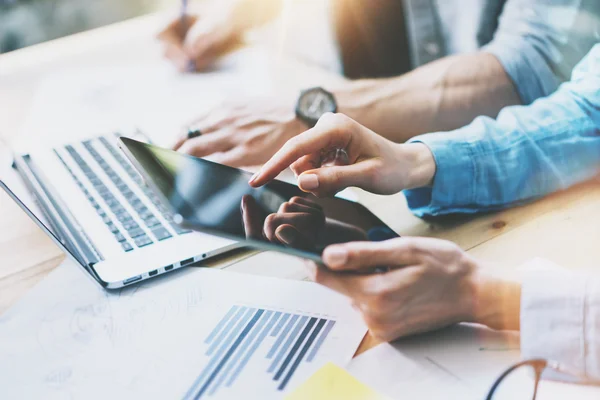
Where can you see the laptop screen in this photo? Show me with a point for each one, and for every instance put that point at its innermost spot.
(53, 244)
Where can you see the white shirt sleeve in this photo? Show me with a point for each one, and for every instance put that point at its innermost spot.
(560, 321)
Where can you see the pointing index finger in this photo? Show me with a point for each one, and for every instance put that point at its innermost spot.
(311, 141)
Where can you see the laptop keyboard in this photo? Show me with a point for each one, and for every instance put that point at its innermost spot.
(131, 231)
(138, 180)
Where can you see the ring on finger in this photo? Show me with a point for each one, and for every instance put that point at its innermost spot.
(193, 133)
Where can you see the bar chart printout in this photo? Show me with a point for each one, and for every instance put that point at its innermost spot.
(276, 343)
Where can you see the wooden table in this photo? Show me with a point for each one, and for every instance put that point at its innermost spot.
(562, 227)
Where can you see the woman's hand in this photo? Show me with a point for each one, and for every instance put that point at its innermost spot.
(372, 162)
(430, 284)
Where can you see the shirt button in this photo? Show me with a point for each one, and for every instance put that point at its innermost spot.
(432, 48)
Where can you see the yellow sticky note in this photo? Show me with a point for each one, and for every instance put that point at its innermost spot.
(333, 383)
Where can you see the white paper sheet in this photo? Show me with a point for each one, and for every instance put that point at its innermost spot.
(459, 362)
(70, 339)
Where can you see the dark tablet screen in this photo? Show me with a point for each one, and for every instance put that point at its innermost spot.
(217, 199)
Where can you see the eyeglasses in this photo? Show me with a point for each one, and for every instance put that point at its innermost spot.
(522, 380)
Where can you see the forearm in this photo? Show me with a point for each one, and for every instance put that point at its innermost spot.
(443, 95)
(526, 153)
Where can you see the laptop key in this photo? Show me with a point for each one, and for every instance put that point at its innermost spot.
(143, 241)
(126, 246)
(152, 222)
(129, 225)
(180, 230)
(161, 233)
(136, 232)
(113, 228)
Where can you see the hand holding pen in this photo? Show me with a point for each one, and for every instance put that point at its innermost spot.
(194, 42)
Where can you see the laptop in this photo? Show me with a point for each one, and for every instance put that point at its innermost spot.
(100, 209)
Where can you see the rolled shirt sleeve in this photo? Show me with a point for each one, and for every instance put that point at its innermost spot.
(560, 321)
(539, 42)
(527, 152)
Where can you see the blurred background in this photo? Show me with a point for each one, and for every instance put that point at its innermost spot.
(27, 22)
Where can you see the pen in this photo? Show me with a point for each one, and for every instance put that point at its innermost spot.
(191, 65)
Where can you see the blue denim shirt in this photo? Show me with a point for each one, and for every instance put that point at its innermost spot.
(527, 152)
(538, 42)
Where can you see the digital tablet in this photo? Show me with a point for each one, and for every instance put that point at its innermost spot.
(217, 199)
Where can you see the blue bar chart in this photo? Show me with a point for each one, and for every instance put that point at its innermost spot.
(285, 340)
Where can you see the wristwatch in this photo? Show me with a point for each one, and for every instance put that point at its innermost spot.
(313, 103)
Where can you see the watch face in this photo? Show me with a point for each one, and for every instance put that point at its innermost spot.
(316, 102)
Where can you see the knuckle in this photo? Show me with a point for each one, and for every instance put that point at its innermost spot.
(245, 151)
(387, 292)
(296, 168)
(345, 123)
(296, 200)
(328, 118)
(335, 123)
(186, 148)
(354, 257)
(285, 207)
(418, 275)
(271, 220)
(411, 247)
(333, 176)
(374, 171)
(375, 287)
(253, 142)
(379, 303)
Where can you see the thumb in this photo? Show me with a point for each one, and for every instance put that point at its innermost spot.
(327, 181)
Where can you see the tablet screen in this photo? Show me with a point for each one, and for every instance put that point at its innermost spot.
(217, 199)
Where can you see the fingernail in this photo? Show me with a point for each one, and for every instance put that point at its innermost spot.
(286, 235)
(190, 66)
(253, 177)
(336, 257)
(308, 181)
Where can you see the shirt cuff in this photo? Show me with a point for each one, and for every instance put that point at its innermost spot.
(553, 321)
(453, 186)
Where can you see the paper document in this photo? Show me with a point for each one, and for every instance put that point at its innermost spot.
(197, 334)
(459, 362)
